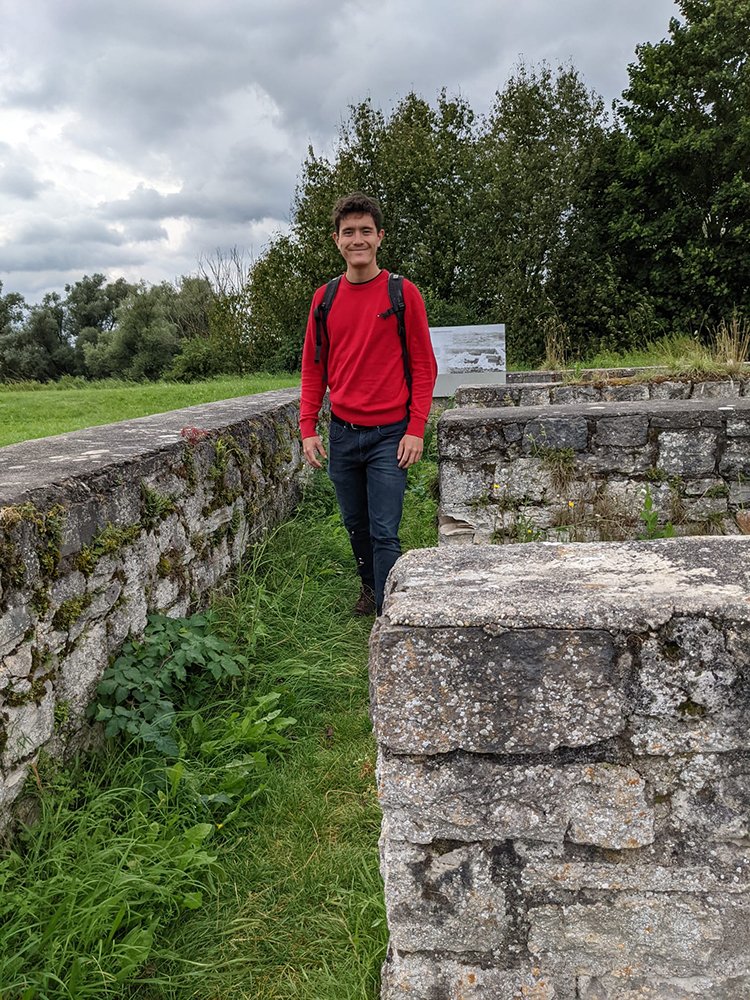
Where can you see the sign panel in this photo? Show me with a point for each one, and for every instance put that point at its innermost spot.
(468, 355)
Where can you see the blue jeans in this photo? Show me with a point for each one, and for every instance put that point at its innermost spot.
(370, 488)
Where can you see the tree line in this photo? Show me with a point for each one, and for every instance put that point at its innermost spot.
(568, 221)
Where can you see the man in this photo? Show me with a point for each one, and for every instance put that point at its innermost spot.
(377, 421)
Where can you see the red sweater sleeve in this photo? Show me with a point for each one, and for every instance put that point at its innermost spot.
(313, 388)
(421, 359)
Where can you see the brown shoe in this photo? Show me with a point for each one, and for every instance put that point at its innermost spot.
(365, 605)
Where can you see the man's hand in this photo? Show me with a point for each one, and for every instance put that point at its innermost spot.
(311, 448)
(409, 450)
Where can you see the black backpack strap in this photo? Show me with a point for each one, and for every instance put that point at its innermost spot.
(398, 309)
(321, 316)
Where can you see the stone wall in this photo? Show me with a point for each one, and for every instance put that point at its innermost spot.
(564, 771)
(623, 390)
(100, 527)
(595, 470)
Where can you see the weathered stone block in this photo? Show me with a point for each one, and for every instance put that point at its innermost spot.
(634, 936)
(687, 453)
(527, 691)
(555, 433)
(419, 977)
(622, 431)
(736, 458)
(469, 798)
(567, 394)
(444, 900)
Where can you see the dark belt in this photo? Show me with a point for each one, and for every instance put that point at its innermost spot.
(362, 427)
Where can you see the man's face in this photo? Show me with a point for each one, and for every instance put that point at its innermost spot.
(358, 241)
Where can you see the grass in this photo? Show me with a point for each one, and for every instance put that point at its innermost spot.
(33, 410)
(124, 889)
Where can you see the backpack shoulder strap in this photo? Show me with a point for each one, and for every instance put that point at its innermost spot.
(321, 315)
(398, 309)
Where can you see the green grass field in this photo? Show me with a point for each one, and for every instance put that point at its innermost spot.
(36, 411)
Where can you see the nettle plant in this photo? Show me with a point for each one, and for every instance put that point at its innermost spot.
(177, 665)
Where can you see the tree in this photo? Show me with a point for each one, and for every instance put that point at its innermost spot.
(419, 163)
(680, 204)
(528, 230)
(34, 346)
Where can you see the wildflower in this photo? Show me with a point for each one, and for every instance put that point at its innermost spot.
(570, 503)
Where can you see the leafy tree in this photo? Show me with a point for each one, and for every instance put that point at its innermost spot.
(35, 346)
(528, 230)
(145, 339)
(680, 202)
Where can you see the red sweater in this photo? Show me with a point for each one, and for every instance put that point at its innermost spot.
(365, 363)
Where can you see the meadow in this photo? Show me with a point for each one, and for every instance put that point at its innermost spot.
(35, 410)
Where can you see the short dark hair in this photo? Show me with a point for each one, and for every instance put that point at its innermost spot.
(357, 203)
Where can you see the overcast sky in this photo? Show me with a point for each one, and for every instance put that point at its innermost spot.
(136, 136)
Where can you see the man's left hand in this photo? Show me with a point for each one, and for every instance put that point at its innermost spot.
(409, 450)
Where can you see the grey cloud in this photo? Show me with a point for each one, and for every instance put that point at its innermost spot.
(17, 176)
(221, 98)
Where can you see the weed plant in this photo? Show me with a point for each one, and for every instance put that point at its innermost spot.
(240, 860)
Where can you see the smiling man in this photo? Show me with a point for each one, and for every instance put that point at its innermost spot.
(368, 341)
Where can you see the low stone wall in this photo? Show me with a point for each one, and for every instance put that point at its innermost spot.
(100, 527)
(595, 471)
(572, 375)
(550, 393)
(564, 771)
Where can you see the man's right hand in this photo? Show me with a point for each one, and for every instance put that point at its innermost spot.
(311, 448)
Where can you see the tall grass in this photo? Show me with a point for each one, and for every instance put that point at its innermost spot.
(128, 887)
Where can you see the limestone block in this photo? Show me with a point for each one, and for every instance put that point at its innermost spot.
(525, 691)
(643, 936)
(736, 458)
(622, 431)
(738, 423)
(626, 587)
(620, 461)
(687, 453)
(555, 433)
(13, 626)
(16, 665)
(621, 986)
(79, 672)
(710, 804)
(68, 586)
(536, 395)
(463, 490)
(422, 977)
(468, 432)
(558, 878)
(566, 394)
(165, 593)
(688, 697)
(625, 393)
(443, 900)
(468, 798)
(525, 481)
(722, 389)
(28, 727)
(10, 789)
(669, 390)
